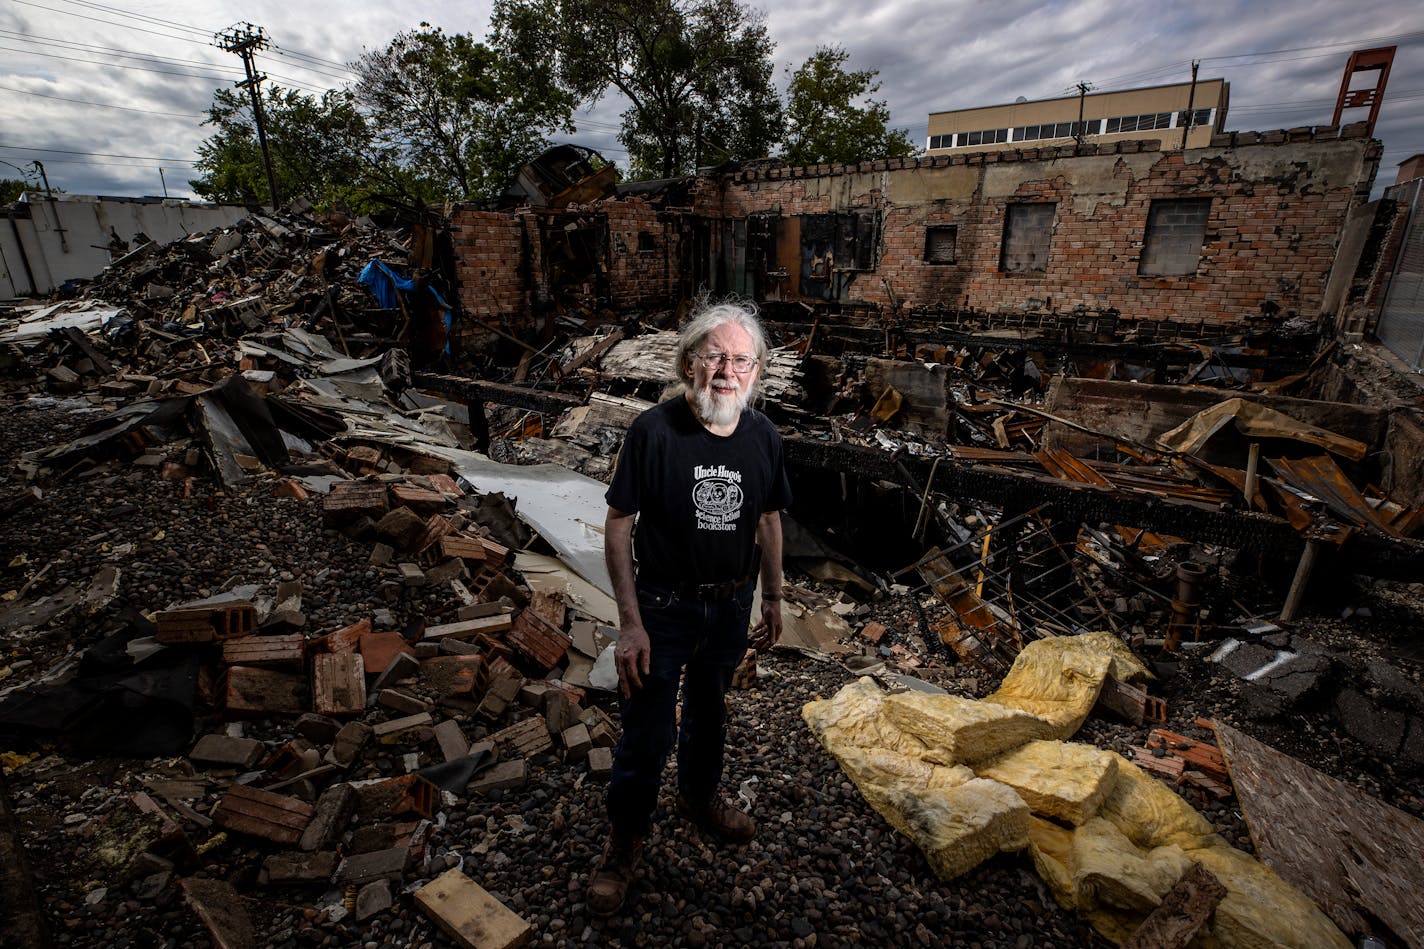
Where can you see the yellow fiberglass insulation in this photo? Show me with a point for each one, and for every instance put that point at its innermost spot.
(1063, 780)
(1058, 679)
(1134, 837)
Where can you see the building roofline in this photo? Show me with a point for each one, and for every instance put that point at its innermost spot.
(1090, 95)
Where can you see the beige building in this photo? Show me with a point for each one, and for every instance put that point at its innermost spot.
(1155, 112)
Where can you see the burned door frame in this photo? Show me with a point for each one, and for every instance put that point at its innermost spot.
(583, 253)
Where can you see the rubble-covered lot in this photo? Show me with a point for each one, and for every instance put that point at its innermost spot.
(823, 863)
(284, 662)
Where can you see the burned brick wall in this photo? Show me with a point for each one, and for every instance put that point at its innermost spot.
(1109, 228)
(514, 268)
(644, 250)
(491, 270)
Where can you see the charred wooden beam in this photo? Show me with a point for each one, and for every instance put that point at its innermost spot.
(475, 391)
(1074, 502)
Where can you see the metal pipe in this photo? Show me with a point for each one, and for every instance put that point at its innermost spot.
(1253, 460)
(1186, 604)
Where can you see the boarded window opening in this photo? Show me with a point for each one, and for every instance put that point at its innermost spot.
(1027, 229)
(940, 243)
(1172, 244)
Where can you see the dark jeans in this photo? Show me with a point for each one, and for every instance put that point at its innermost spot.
(698, 645)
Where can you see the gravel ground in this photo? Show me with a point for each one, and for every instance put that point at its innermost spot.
(825, 869)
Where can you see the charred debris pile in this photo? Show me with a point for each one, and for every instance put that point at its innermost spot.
(966, 484)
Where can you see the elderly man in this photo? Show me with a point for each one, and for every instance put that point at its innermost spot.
(703, 476)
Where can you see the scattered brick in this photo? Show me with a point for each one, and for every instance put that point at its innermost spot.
(262, 814)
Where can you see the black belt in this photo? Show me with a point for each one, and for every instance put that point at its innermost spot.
(704, 592)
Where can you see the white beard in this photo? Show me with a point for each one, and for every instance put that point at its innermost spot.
(720, 409)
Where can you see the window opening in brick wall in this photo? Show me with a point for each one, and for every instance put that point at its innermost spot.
(647, 243)
(940, 241)
(1027, 228)
(1172, 244)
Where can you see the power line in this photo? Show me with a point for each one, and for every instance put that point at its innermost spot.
(291, 82)
(70, 151)
(113, 51)
(95, 62)
(126, 26)
(138, 16)
(105, 105)
(185, 39)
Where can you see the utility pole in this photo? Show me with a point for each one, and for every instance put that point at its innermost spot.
(243, 39)
(1191, 104)
(49, 197)
(1078, 133)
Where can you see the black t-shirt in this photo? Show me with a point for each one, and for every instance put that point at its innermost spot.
(697, 495)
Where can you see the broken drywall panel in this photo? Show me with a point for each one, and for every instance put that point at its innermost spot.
(550, 575)
(39, 324)
(566, 508)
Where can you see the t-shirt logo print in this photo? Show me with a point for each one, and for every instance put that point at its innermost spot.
(717, 496)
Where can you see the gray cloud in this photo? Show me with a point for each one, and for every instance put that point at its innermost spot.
(932, 55)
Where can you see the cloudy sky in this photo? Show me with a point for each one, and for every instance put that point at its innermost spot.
(105, 95)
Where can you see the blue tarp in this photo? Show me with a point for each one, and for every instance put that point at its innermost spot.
(384, 283)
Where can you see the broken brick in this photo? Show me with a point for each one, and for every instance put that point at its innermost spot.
(539, 642)
(466, 548)
(501, 777)
(379, 650)
(419, 500)
(349, 500)
(347, 638)
(398, 701)
(225, 750)
(451, 739)
(261, 813)
(338, 683)
(262, 692)
(385, 730)
(348, 744)
(453, 675)
(282, 651)
(576, 742)
(201, 625)
(299, 868)
(328, 818)
(600, 763)
(362, 868)
(529, 736)
(400, 528)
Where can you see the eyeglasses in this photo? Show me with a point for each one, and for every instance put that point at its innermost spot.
(739, 364)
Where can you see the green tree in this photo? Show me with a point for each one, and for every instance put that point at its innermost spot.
(455, 116)
(696, 74)
(319, 149)
(830, 116)
(11, 189)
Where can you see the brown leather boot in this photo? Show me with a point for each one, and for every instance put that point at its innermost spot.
(719, 819)
(609, 886)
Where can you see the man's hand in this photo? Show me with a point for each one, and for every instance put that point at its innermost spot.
(633, 656)
(768, 632)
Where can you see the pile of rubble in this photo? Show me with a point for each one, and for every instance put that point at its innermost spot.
(417, 640)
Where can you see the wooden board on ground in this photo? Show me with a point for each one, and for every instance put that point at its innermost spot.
(223, 914)
(1357, 857)
(469, 914)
